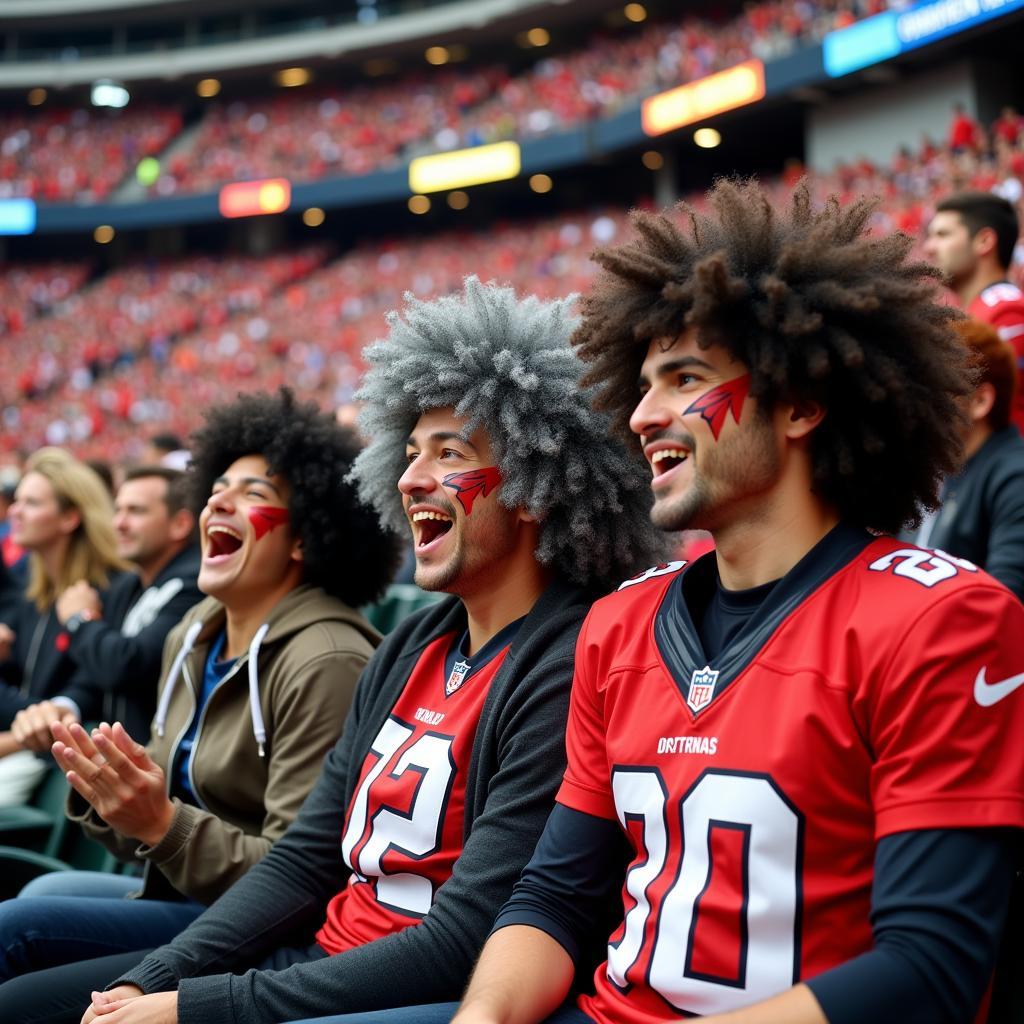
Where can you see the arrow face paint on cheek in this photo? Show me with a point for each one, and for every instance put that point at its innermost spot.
(714, 404)
(265, 517)
(473, 484)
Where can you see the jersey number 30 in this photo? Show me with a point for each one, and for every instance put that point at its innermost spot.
(726, 929)
(416, 833)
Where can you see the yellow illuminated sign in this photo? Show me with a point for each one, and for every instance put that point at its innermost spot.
(464, 167)
(734, 87)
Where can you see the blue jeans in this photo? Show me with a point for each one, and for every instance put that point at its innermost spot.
(37, 932)
(82, 883)
(435, 1013)
(60, 995)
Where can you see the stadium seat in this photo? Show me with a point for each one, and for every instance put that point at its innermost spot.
(401, 600)
(40, 824)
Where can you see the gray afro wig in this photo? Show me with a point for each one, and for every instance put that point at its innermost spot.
(506, 365)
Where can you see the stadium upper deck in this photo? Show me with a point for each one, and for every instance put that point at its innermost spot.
(332, 130)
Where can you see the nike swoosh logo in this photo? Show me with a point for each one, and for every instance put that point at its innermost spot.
(987, 694)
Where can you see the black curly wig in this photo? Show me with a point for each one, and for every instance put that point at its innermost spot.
(346, 552)
(817, 309)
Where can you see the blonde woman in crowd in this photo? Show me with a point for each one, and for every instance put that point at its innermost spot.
(63, 516)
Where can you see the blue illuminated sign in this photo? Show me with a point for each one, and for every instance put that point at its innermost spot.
(894, 32)
(17, 216)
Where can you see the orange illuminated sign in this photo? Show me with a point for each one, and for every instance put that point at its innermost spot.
(251, 198)
(734, 87)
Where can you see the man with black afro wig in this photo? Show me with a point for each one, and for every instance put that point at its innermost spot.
(809, 738)
(523, 508)
(344, 551)
(256, 683)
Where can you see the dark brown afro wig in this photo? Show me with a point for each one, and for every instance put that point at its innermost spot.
(817, 310)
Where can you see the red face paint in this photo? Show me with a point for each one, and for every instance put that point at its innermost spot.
(265, 517)
(473, 484)
(714, 404)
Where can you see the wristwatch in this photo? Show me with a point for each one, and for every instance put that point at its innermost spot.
(85, 615)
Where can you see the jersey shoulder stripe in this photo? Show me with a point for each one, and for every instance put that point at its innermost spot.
(662, 569)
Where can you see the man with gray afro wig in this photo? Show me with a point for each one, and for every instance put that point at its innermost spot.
(505, 365)
(520, 507)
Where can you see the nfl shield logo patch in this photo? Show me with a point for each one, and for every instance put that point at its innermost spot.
(458, 677)
(702, 688)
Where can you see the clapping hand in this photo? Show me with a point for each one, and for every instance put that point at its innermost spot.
(116, 775)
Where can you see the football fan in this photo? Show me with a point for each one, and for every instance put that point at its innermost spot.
(257, 681)
(521, 506)
(981, 517)
(808, 741)
(62, 516)
(971, 240)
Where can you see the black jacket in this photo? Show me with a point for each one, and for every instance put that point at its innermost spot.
(41, 666)
(517, 763)
(982, 513)
(10, 593)
(119, 655)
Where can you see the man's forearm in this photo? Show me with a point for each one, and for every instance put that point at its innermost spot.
(796, 1005)
(8, 744)
(522, 976)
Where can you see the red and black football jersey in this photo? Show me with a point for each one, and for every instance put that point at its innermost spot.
(1002, 306)
(875, 691)
(404, 826)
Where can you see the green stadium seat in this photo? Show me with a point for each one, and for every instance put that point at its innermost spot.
(400, 601)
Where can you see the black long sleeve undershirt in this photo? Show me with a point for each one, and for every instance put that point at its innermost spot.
(938, 908)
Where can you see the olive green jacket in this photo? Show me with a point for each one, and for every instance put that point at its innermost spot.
(308, 661)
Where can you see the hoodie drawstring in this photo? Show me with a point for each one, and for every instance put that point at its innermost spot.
(172, 677)
(259, 730)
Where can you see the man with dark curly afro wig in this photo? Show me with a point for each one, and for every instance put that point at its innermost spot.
(808, 740)
(484, 450)
(257, 681)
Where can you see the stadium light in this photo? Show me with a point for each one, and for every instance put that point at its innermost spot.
(36, 97)
(541, 183)
(108, 93)
(635, 12)
(436, 55)
(253, 198)
(289, 78)
(103, 234)
(707, 138)
(653, 160)
(207, 87)
(313, 217)
(477, 166)
(726, 90)
(538, 37)
(419, 204)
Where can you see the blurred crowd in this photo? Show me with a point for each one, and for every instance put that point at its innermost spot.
(332, 131)
(147, 347)
(60, 156)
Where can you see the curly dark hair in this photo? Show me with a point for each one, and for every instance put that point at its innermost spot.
(817, 310)
(347, 552)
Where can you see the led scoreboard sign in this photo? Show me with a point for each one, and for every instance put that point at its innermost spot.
(726, 90)
(891, 33)
(252, 198)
